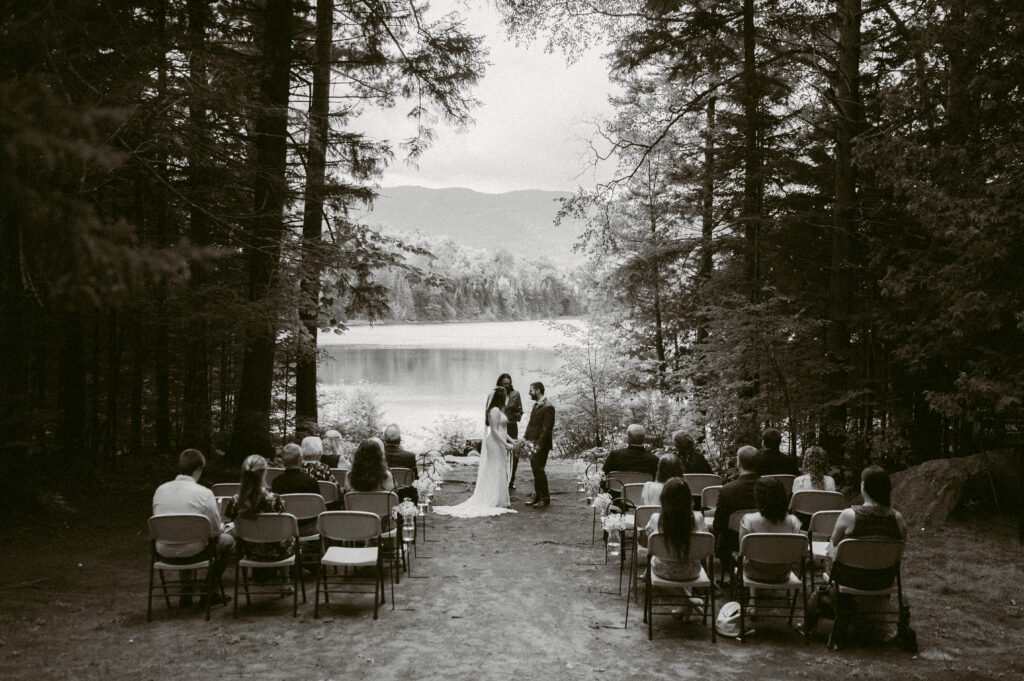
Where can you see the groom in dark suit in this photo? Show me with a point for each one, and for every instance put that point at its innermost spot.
(538, 431)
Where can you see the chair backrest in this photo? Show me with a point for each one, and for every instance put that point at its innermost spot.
(774, 548)
(379, 503)
(348, 526)
(183, 528)
(821, 525)
(785, 479)
(698, 481)
(402, 476)
(226, 489)
(328, 490)
(812, 501)
(626, 478)
(267, 527)
(702, 545)
(737, 516)
(222, 505)
(340, 475)
(271, 474)
(304, 506)
(632, 491)
(709, 496)
(869, 554)
(643, 514)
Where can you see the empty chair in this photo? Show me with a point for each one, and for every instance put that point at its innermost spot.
(381, 503)
(226, 489)
(402, 476)
(340, 475)
(709, 500)
(810, 502)
(329, 491)
(306, 508)
(698, 481)
(349, 540)
(660, 591)
(181, 529)
(770, 550)
(268, 529)
(616, 479)
(819, 534)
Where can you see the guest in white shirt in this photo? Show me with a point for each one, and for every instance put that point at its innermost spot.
(184, 494)
(669, 466)
(814, 466)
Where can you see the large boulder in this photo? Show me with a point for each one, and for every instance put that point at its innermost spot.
(928, 493)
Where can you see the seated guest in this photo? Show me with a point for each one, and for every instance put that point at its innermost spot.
(254, 498)
(814, 466)
(735, 496)
(184, 494)
(772, 460)
(369, 469)
(873, 519)
(634, 456)
(669, 466)
(771, 502)
(676, 521)
(312, 451)
(333, 457)
(396, 456)
(686, 450)
(294, 480)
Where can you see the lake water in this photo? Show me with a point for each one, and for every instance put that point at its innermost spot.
(421, 373)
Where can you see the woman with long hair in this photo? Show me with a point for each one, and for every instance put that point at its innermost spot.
(669, 466)
(772, 516)
(490, 496)
(814, 466)
(370, 471)
(676, 521)
(254, 498)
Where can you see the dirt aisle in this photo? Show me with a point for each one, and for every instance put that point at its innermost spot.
(517, 597)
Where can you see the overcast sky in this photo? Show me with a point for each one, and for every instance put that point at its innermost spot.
(531, 128)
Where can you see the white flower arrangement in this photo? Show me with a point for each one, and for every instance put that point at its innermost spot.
(602, 502)
(592, 483)
(424, 486)
(617, 522)
(406, 509)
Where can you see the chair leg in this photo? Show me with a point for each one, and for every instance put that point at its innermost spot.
(209, 589)
(234, 601)
(296, 579)
(163, 585)
(744, 600)
(649, 609)
(316, 591)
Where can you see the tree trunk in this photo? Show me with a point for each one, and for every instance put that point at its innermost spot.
(251, 432)
(196, 405)
(161, 342)
(312, 225)
(752, 183)
(708, 205)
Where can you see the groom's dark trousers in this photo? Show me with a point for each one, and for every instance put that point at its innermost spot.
(538, 431)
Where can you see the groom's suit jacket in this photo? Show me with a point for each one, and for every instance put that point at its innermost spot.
(542, 423)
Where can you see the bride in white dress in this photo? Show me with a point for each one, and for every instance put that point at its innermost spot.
(490, 497)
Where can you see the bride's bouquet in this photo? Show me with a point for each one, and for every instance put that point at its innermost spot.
(523, 449)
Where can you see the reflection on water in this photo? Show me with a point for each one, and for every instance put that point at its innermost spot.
(415, 386)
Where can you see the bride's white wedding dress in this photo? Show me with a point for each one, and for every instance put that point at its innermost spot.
(491, 494)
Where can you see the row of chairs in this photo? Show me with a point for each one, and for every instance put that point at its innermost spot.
(343, 539)
(403, 478)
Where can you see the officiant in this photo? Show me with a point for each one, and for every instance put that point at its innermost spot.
(513, 412)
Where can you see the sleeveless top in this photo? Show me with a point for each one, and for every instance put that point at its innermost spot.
(872, 522)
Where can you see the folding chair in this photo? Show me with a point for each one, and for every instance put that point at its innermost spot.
(306, 508)
(772, 549)
(878, 555)
(785, 479)
(340, 475)
(698, 481)
(350, 539)
(629, 499)
(641, 516)
(402, 476)
(268, 528)
(329, 491)
(819, 534)
(734, 526)
(381, 503)
(271, 474)
(709, 500)
(616, 479)
(810, 501)
(186, 528)
(671, 592)
(226, 489)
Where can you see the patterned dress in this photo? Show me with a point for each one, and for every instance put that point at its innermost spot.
(271, 551)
